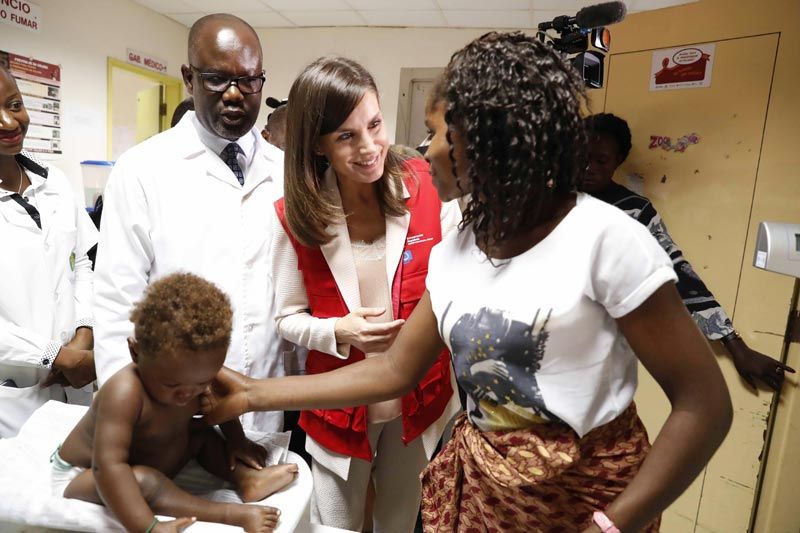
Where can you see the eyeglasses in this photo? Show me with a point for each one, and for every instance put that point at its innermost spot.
(219, 83)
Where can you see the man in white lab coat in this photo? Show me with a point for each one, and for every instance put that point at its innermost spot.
(197, 198)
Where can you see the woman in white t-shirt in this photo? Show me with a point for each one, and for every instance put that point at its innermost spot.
(546, 298)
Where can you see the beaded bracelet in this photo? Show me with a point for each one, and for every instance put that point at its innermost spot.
(152, 525)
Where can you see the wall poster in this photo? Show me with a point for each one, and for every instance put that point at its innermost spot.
(40, 85)
(686, 67)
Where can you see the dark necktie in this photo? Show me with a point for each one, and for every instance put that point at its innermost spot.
(229, 156)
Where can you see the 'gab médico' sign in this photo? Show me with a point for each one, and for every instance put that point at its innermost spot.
(145, 60)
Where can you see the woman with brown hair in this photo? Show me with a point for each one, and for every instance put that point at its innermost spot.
(349, 260)
(548, 300)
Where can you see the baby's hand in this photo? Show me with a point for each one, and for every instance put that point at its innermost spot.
(244, 450)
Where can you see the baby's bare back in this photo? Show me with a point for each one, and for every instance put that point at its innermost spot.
(160, 437)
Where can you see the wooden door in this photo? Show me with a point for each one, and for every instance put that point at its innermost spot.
(705, 195)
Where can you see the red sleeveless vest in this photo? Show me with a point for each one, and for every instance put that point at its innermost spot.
(345, 430)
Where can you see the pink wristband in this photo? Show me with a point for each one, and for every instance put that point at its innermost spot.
(604, 523)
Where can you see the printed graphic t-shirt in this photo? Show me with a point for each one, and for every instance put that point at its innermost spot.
(534, 337)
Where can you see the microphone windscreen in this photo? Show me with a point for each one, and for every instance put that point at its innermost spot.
(274, 103)
(600, 15)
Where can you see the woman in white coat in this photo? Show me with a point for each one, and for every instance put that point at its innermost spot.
(45, 277)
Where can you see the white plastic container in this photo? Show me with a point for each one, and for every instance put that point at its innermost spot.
(95, 176)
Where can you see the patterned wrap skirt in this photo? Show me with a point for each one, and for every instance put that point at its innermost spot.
(543, 478)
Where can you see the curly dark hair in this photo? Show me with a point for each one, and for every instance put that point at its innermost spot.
(517, 104)
(614, 127)
(182, 311)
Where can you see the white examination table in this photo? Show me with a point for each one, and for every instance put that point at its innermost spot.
(26, 503)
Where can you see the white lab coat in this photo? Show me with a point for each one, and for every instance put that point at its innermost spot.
(46, 292)
(171, 204)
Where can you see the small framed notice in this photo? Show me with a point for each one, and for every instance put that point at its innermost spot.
(687, 67)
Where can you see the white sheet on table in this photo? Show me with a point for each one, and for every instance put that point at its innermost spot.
(25, 496)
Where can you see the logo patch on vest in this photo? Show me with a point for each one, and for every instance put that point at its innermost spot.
(407, 256)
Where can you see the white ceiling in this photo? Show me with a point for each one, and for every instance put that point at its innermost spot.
(391, 13)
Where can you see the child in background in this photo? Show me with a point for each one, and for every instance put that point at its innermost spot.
(609, 146)
(139, 431)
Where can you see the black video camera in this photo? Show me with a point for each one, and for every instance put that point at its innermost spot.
(573, 36)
